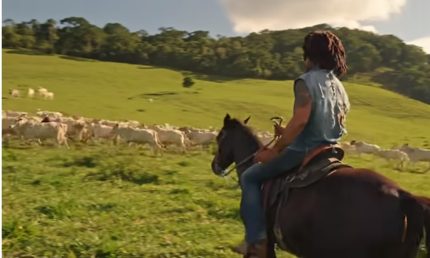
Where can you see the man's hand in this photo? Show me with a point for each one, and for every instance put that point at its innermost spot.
(265, 155)
(278, 129)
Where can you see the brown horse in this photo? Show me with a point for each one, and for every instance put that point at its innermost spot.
(352, 213)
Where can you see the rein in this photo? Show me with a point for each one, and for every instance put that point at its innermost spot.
(226, 172)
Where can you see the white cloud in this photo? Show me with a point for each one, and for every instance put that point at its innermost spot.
(257, 15)
(422, 42)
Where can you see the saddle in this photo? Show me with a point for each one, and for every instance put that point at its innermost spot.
(319, 163)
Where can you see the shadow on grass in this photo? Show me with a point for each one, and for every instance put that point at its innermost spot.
(27, 52)
(75, 58)
(161, 94)
(209, 77)
(194, 75)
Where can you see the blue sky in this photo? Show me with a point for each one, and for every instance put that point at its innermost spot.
(406, 19)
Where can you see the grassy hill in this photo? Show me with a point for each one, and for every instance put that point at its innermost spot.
(97, 200)
(122, 91)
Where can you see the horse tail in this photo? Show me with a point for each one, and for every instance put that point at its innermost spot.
(425, 203)
(413, 222)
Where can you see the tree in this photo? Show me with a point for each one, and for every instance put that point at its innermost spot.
(79, 37)
(46, 36)
(267, 54)
(187, 82)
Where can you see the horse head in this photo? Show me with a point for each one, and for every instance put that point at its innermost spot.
(235, 141)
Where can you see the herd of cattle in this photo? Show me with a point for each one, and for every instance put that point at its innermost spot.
(403, 155)
(46, 125)
(31, 93)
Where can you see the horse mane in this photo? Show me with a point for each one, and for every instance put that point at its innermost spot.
(246, 130)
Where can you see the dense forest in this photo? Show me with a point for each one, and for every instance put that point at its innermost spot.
(268, 54)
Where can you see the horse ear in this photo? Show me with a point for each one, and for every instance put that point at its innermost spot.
(246, 120)
(227, 119)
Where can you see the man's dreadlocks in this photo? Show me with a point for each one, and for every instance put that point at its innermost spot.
(326, 50)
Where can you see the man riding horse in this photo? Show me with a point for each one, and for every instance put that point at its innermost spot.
(320, 109)
(314, 206)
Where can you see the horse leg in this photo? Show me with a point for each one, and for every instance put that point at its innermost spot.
(271, 246)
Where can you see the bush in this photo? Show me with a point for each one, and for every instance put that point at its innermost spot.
(188, 82)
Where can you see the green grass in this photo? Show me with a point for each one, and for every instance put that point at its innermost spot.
(98, 201)
(122, 91)
(104, 201)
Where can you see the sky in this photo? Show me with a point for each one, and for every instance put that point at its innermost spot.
(406, 19)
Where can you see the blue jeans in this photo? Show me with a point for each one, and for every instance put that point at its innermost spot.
(251, 206)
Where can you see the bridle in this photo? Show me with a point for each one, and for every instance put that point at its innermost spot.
(225, 172)
(276, 120)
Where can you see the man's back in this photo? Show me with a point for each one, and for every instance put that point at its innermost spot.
(330, 105)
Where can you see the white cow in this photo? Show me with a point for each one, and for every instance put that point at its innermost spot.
(101, 131)
(363, 147)
(201, 137)
(75, 128)
(48, 95)
(7, 123)
(30, 93)
(348, 147)
(41, 131)
(54, 116)
(397, 155)
(170, 136)
(416, 154)
(14, 93)
(137, 135)
(15, 114)
(41, 91)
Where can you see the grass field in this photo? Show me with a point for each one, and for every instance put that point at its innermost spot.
(122, 91)
(98, 200)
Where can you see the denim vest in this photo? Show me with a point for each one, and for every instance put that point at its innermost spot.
(330, 104)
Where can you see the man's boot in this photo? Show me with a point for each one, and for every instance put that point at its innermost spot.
(241, 248)
(257, 250)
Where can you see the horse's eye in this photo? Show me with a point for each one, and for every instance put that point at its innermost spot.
(221, 136)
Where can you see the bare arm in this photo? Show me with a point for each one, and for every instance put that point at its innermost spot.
(302, 112)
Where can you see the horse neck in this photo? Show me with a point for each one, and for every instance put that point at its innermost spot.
(246, 144)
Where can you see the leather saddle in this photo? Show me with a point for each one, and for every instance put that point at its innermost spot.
(319, 163)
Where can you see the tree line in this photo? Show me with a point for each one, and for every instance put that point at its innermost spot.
(268, 54)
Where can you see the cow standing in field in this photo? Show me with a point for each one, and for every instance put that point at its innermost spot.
(137, 135)
(348, 147)
(41, 91)
(76, 128)
(396, 155)
(30, 93)
(171, 136)
(7, 123)
(417, 154)
(14, 93)
(9, 113)
(363, 147)
(200, 137)
(33, 130)
(101, 131)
